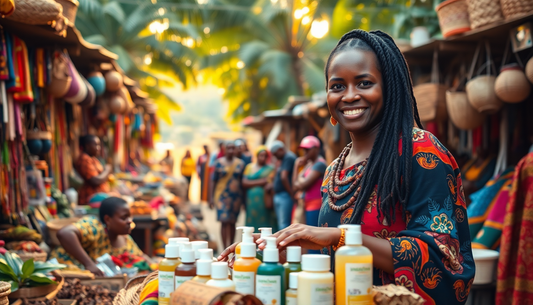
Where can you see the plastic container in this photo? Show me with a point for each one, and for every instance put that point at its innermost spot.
(291, 296)
(270, 279)
(197, 246)
(245, 269)
(315, 282)
(178, 241)
(219, 277)
(246, 238)
(186, 271)
(265, 232)
(485, 261)
(294, 261)
(203, 266)
(353, 269)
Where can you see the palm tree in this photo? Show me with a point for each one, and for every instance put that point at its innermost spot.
(134, 32)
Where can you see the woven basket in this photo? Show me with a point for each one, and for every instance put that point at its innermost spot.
(462, 114)
(131, 293)
(483, 12)
(70, 9)
(37, 257)
(453, 17)
(431, 97)
(36, 11)
(515, 8)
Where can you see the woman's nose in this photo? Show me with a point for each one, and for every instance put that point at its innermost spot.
(351, 95)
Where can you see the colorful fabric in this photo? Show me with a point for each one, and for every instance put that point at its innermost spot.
(431, 249)
(516, 257)
(480, 175)
(24, 93)
(483, 201)
(313, 195)
(95, 242)
(149, 293)
(89, 167)
(187, 167)
(228, 190)
(257, 215)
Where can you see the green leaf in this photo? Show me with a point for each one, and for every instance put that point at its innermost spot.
(39, 278)
(6, 270)
(27, 269)
(14, 261)
(14, 286)
(42, 267)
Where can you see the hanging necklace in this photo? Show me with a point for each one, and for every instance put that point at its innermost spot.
(354, 182)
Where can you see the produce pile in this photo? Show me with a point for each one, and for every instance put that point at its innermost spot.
(45, 302)
(85, 295)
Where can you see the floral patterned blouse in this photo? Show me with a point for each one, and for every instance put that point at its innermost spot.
(431, 250)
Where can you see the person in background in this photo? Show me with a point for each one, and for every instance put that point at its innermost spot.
(202, 168)
(168, 162)
(309, 180)
(91, 237)
(256, 177)
(242, 152)
(283, 192)
(226, 192)
(187, 169)
(95, 176)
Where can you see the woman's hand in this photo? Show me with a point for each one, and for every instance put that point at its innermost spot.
(308, 237)
(94, 269)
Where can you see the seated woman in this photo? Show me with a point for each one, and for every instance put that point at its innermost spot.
(95, 176)
(89, 238)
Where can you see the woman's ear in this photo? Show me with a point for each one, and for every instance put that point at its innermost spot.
(107, 218)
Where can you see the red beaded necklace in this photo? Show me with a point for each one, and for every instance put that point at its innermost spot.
(354, 181)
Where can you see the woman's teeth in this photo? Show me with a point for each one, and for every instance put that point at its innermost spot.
(354, 111)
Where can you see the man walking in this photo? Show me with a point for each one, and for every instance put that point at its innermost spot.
(283, 193)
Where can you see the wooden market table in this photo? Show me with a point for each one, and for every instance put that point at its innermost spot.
(145, 226)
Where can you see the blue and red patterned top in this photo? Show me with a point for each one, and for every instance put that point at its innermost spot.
(431, 249)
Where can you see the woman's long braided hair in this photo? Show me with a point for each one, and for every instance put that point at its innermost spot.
(387, 168)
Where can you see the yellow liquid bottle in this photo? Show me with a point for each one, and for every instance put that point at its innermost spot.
(291, 296)
(203, 266)
(166, 272)
(353, 270)
(315, 282)
(246, 238)
(245, 269)
(219, 277)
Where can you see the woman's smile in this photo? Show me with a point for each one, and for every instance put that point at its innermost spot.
(351, 113)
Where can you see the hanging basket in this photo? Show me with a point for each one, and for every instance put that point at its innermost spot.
(512, 85)
(431, 97)
(480, 89)
(60, 76)
(462, 114)
(70, 8)
(36, 11)
(529, 70)
(516, 8)
(453, 17)
(484, 12)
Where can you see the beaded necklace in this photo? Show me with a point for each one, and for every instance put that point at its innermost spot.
(354, 182)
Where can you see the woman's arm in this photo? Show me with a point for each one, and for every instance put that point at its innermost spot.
(305, 183)
(70, 239)
(102, 177)
(246, 183)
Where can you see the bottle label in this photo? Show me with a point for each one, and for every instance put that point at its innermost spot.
(322, 294)
(358, 284)
(244, 282)
(180, 280)
(166, 285)
(268, 289)
(291, 301)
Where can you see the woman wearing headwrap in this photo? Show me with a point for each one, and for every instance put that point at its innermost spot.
(256, 177)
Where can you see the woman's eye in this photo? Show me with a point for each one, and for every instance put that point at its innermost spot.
(365, 83)
(336, 87)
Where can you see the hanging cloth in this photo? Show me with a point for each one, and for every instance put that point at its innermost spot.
(13, 83)
(25, 93)
(4, 69)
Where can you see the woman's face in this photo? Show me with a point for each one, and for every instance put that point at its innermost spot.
(355, 90)
(120, 222)
(230, 150)
(311, 153)
(93, 148)
(262, 157)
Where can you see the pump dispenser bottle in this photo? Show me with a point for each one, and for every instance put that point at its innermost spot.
(219, 277)
(265, 232)
(245, 269)
(353, 269)
(294, 259)
(196, 246)
(187, 270)
(203, 266)
(291, 296)
(246, 238)
(166, 273)
(315, 282)
(270, 279)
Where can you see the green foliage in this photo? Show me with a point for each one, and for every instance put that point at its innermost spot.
(25, 274)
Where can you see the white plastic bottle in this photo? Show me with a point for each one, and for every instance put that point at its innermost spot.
(197, 246)
(179, 241)
(219, 277)
(291, 296)
(166, 273)
(315, 282)
(203, 266)
(246, 238)
(353, 269)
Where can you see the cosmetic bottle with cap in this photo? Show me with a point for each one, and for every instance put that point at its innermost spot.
(270, 279)
(246, 238)
(315, 282)
(353, 269)
(265, 232)
(294, 261)
(166, 272)
(179, 241)
(291, 296)
(219, 276)
(245, 269)
(196, 246)
(187, 270)
(203, 266)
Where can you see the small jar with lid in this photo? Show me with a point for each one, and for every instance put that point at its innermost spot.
(315, 282)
